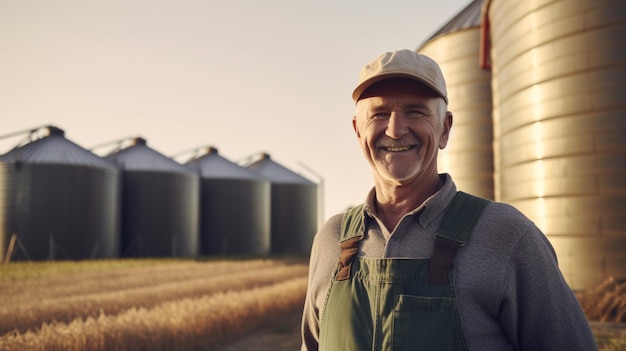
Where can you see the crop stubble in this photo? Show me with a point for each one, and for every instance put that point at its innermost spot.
(183, 305)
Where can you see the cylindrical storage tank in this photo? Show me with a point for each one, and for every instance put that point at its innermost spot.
(294, 207)
(160, 204)
(468, 156)
(234, 207)
(58, 201)
(559, 80)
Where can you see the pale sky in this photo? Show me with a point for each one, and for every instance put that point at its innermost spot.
(244, 76)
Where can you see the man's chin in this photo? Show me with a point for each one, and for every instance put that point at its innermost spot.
(399, 177)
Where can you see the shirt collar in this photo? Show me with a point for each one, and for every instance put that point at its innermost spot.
(429, 209)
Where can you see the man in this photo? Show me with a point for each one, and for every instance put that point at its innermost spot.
(419, 266)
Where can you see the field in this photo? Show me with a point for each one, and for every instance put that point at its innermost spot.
(170, 304)
(144, 304)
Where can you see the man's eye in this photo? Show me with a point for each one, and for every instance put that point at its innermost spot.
(415, 113)
(380, 115)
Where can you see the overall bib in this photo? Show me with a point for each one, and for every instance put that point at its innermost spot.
(398, 304)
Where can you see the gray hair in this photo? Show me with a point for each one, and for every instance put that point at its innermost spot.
(442, 109)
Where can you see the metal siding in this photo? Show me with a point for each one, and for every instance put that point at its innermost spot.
(294, 218)
(234, 207)
(160, 214)
(590, 257)
(469, 154)
(294, 207)
(60, 211)
(559, 73)
(235, 216)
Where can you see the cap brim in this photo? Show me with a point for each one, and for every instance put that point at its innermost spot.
(361, 88)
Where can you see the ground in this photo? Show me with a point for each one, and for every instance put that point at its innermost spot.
(284, 335)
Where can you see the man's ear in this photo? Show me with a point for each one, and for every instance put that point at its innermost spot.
(445, 131)
(355, 127)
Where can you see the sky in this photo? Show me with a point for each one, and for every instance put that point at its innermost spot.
(243, 76)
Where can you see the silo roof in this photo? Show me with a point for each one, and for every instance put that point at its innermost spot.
(277, 173)
(140, 157)
(213, 165)
(469, 17)
(55, 149)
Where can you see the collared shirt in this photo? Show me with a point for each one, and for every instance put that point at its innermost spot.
(420, 224)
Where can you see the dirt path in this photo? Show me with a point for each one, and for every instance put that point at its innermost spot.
(281, 336)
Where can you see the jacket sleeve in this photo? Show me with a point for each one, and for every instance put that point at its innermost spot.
(539, 311)
(324, 255)
(310, 313)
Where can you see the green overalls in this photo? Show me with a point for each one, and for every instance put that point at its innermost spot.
(398, 304)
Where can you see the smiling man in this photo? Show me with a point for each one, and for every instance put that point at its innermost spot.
(401, 125)
(420, 265)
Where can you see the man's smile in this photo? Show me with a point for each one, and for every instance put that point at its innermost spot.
(398, 148)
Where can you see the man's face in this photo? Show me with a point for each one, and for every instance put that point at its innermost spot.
(401, 126)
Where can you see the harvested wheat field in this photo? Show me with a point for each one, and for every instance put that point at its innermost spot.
(144, 304)
(220, 305)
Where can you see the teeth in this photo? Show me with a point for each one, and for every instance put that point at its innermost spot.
(397, 148)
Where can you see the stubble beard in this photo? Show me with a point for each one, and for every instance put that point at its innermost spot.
(398, 172)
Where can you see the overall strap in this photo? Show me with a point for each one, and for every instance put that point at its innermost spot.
(352, 231)
(454, 231)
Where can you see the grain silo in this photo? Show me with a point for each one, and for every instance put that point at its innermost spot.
(160, 201)
(234, 207)
(58, 201)
(559, 81)
(469, 154)
(294, 207)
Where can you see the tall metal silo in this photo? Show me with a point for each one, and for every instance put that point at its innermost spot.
(59, 201)
(234, 207)
(469, 154)
(160, 204)
(294, 207)
(559, 79)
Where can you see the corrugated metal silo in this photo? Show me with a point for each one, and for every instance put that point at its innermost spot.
(559, 79)
(60, 200)
(234, 207)
(160, 204)
(469, 154)
(294, 207)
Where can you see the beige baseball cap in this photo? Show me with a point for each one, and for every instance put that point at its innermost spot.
(402, 64)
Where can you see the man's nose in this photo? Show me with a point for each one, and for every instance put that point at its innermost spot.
(397, 126)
